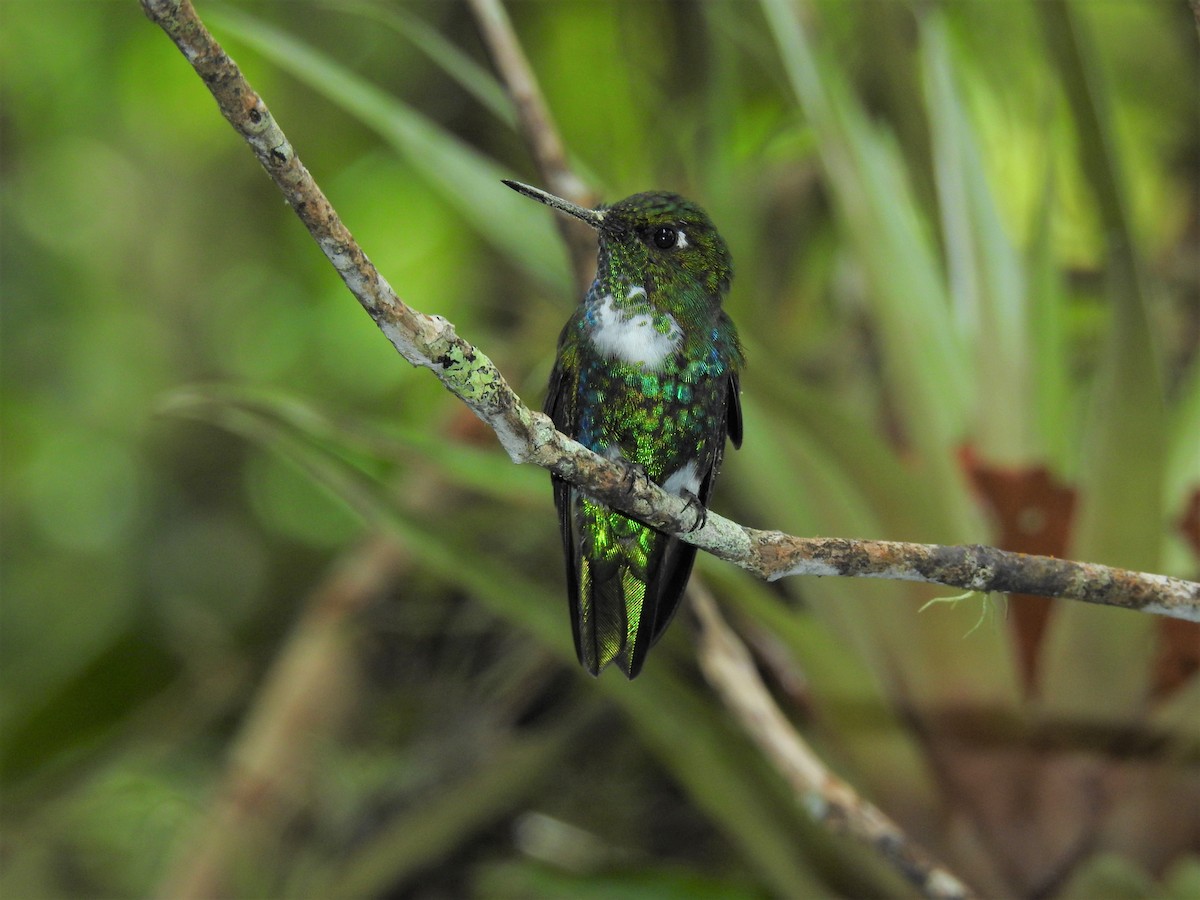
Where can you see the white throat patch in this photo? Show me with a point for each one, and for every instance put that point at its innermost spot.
(632, 337)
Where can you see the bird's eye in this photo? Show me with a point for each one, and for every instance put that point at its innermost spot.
(665, 238)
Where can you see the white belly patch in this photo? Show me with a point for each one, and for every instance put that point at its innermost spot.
(686, 479)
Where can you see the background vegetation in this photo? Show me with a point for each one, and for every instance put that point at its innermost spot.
(279, 617)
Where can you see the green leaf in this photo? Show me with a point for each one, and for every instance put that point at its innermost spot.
(467, 180)
(987, 283)
(1109, 876)
(473, 468)
(1183, 458)
(1056, 426)
(1119, 521)
(469, 75)
(923, 358)
(1182, 880)
(534, 881)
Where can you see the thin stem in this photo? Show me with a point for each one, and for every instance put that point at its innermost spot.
(831, 801)
(536, 126)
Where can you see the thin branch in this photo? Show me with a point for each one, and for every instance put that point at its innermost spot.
(831, 801)
(974, 567)
(536, 125)
(530, 437)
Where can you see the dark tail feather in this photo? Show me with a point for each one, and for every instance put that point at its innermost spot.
(669, 575)
(599, 612)
(602, 592)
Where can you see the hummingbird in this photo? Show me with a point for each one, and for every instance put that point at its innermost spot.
(646, 374)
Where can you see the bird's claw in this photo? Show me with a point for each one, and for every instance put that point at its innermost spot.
(633, 472)
(702, 512)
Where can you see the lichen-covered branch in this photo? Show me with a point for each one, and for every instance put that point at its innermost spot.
(831, 801)
(530, 437)
(975, 568)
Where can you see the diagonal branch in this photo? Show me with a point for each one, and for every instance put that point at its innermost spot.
(729, 668)
(537, 126)
(529, 437)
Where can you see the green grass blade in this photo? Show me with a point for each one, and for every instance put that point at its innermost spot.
(901, 506)
(1058, 433)
(468, 74)
(1124, 444)
(1182, 479)
(1124, 447)
(473, 468)
(986, 277)
(468, 180)
(923, 357)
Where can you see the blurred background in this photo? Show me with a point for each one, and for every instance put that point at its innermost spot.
(280, 619)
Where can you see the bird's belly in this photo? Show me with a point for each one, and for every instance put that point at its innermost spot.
(659, 421)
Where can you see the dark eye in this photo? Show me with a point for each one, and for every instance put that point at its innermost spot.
(665, 238)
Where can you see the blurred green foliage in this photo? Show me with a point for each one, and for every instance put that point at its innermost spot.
(966, 240)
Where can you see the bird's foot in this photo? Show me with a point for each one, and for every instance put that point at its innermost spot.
(634, 472)
(693, 502)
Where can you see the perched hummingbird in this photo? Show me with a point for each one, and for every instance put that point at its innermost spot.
(646, 373)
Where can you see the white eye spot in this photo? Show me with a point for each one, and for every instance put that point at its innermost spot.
(681, 240)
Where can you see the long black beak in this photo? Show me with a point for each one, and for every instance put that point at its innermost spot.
(593, 217)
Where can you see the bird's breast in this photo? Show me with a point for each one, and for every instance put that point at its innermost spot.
(632, 331)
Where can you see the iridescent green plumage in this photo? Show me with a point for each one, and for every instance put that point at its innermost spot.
(647, 373)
